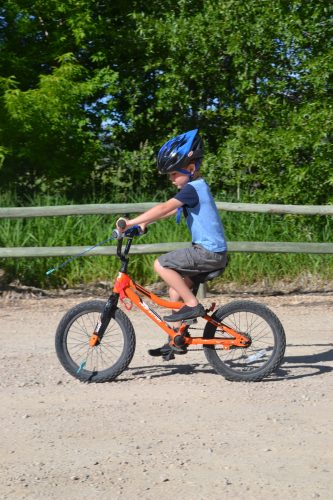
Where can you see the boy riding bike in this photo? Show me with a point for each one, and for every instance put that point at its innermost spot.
(244, 340)
(181, 158)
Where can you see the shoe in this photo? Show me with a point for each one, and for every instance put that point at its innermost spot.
(166, 351)
(160, 351)
(186, 312)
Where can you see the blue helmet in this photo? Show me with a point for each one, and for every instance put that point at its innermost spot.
(180, 151)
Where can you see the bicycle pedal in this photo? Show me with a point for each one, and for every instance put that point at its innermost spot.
(212, 308)
(179, 350)
(168, 357)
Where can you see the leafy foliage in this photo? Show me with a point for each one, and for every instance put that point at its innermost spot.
(90, 89)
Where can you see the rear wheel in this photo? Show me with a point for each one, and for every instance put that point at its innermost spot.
(266, 334)
(106, 360)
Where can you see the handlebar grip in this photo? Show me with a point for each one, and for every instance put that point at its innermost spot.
(121, 223)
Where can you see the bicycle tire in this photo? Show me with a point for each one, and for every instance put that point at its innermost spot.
(103, 362)
(268, 342)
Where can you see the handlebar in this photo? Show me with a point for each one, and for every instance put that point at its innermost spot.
(129, 233)
(119, 235)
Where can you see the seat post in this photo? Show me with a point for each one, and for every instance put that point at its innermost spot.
(202, 291)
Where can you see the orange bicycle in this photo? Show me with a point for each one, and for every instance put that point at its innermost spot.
(95, 340)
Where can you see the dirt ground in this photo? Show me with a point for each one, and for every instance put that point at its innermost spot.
(165, 430)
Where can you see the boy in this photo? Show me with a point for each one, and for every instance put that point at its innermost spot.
(180, 158)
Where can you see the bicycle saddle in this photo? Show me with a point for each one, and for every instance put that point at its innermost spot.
(201, 278)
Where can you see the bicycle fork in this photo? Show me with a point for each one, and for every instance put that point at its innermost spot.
(104, 320)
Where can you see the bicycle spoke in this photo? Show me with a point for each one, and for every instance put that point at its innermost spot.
(101, 356)
(262, 342)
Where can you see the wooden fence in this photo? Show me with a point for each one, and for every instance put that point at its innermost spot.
(123, 208)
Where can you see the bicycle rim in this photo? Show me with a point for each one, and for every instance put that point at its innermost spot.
(100, 357)
(267, 339)
(109, 357)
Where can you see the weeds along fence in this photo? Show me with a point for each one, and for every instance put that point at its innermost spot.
(123, 208)
(156, 248)
(263, 246)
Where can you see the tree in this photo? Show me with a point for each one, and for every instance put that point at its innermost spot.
(91, 81)
(52, 103)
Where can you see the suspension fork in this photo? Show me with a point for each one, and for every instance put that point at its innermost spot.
(103, 322)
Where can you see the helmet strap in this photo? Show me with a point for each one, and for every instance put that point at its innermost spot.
(186, 172)
(183, 171)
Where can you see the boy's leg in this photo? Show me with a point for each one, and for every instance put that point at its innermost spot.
(177, 284)
(165, 349)
(191, 308)
(175, 297)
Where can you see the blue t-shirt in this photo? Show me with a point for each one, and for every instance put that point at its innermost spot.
(202, 217)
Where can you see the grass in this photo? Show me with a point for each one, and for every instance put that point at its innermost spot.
(88, 230)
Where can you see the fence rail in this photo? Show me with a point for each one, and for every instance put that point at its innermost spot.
(233, 246)
(123, 208)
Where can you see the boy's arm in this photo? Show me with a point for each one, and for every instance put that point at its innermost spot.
(173, 212)
(160, 211)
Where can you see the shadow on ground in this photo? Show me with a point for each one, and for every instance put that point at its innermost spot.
(314, 364)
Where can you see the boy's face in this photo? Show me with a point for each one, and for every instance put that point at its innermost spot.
(178, 179)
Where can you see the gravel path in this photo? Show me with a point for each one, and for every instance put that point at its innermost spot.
(166, 430)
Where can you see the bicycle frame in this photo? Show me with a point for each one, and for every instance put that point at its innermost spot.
(125, 288)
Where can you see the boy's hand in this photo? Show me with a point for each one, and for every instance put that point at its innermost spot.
(122, 224)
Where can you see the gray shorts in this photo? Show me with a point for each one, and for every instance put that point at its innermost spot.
(193, 260)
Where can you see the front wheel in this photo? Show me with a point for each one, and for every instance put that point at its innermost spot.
(267, 342)
(103, 362)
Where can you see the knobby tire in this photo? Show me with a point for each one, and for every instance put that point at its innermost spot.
(268, 342)
(103, 362)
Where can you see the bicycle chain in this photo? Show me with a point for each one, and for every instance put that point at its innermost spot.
(201, 348)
